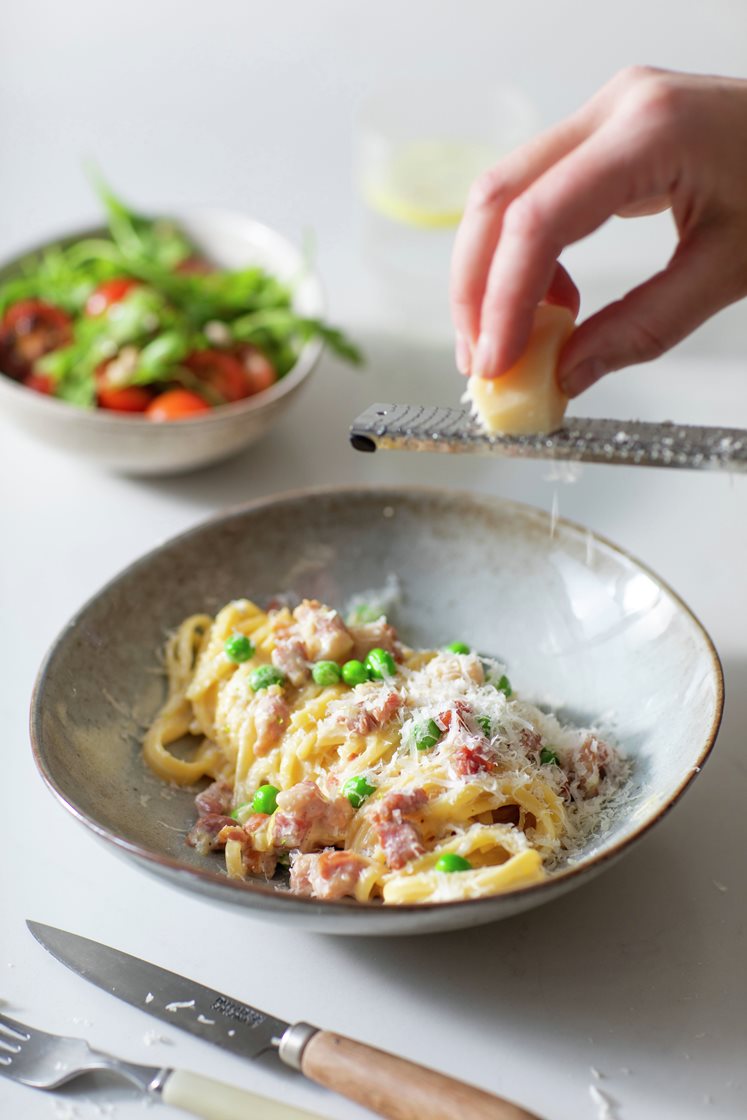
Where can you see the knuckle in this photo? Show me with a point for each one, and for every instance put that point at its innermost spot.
(489, 191)
(462, 299)
(648, 340)
(630, 77)
(525, 219)
(656, 101)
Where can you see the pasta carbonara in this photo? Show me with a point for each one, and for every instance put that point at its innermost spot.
(367, 768)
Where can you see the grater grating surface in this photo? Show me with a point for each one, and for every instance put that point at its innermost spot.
(413, 427)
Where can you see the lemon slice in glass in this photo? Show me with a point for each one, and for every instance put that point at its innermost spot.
(425, 183)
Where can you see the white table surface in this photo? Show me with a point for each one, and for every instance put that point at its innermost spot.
(640, 975)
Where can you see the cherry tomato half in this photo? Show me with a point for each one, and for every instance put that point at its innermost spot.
(30, 329)
(257, 366)
(130, 398)
(222, 371)
(120, 398)
(111, 291)
(176, 404)
(40, 383)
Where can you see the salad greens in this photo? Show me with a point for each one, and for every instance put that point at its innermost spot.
(173, 304)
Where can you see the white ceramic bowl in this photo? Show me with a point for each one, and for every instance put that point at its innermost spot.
(582, 626)
(134, 445)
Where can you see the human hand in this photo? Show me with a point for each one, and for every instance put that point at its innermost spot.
(647, 141)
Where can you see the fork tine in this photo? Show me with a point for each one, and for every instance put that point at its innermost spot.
(13, 1028)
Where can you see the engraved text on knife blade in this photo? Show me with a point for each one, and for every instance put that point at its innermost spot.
(239, 1012)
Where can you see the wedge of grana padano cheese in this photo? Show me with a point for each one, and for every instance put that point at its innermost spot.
(527, 399)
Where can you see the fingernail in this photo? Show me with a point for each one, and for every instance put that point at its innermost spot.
(484, 361)
(463, 354)
(580, 377)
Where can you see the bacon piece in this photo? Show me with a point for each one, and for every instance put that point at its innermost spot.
(204, 835)
(404, 802)
(323, 632)
(401, 842)
(271, 714)
(530, 741)
(375, 635)
(399, 837)
(253, 862)
(305, 819)
(329, 874)
(457, 715)
(589, 766)
(471, 758)
(217, 798)
(291, 657)
(373, 712)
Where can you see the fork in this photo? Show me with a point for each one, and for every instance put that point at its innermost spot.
(46, 1061)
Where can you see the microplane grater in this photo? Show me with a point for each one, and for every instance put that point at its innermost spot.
(417, 427)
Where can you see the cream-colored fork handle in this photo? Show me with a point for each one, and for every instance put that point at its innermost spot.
(214, 1100)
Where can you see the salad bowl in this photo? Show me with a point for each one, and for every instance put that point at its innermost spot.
(584, 629)
(129, 443)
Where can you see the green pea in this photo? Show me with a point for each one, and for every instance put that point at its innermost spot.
(427, 735)
(240, 812)
(354, 672)
(380, 664)
(486, 726)
(265, 800)
(458, 647)
(504, 686)
(238, 648)
(357, 790)
(326, 673)
(264, 676)
(547, 756)
(450, 861)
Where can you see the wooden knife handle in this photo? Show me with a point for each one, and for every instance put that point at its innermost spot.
(395, 1088)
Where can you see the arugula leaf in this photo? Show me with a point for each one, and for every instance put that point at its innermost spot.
(159, 357)
(141, 238)
(165, 316)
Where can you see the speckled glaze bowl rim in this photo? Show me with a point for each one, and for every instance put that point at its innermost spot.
(387, 493)
(304, 364)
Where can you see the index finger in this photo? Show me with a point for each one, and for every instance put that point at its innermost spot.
(480, 228)
(603, 174)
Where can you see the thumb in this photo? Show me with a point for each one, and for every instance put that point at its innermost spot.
(701, 278)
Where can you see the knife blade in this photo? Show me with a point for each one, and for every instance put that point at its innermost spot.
(414, 427)
(211, 1015)
(387, 1085)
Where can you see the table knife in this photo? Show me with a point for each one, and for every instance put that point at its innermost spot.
(415, 427)
(385, 1084)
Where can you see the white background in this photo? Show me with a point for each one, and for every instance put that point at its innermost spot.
(641, 974)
